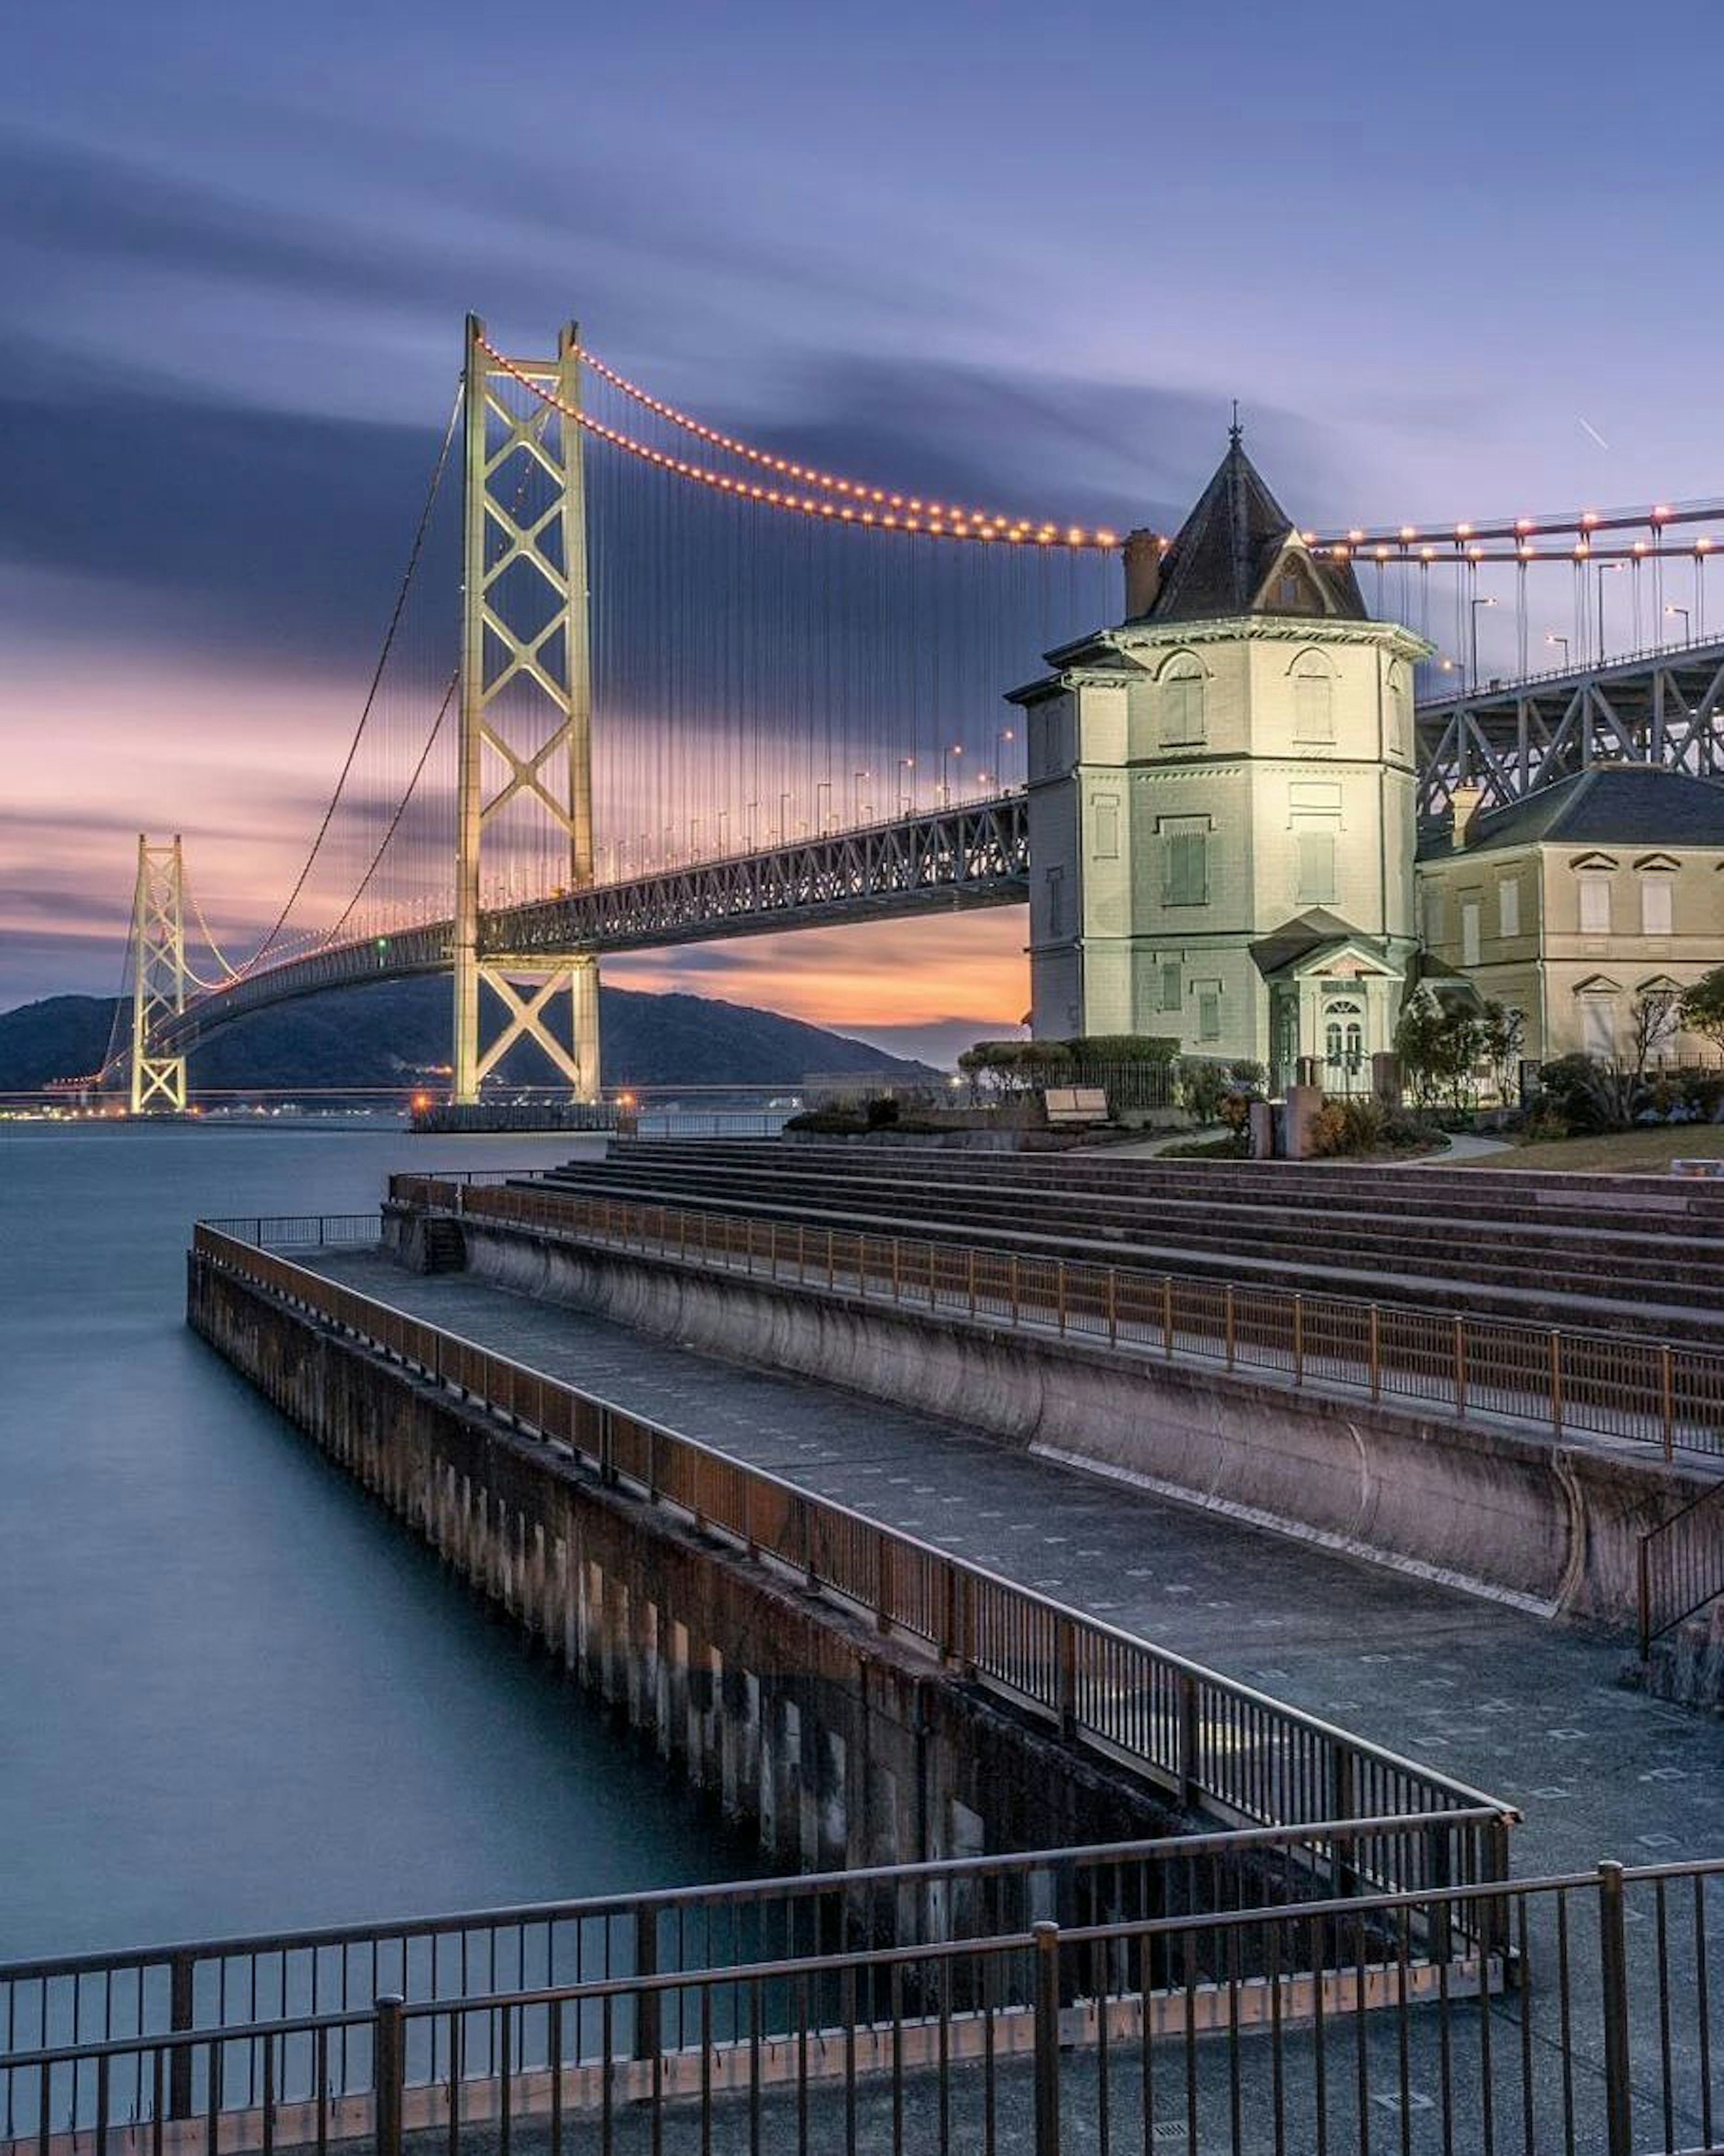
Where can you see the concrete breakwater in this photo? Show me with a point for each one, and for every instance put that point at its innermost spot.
(1556, 1526)
(843, 1746)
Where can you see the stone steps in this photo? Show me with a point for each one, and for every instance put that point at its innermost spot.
(1566, 1278)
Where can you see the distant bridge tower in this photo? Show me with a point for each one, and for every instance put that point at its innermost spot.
(158, 977)
(526, 755)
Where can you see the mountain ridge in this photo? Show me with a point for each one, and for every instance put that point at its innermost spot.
(396, 1034)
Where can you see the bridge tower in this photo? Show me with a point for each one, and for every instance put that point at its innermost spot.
(158, 977)
(526, 756)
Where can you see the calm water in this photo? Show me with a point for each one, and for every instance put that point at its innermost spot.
(233, 1696)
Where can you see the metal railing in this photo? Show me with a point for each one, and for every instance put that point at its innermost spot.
(215, 1984)
(1458, 1364)
(301, 1231)
(1681, 1566)
(1215, 1744)
(1330, 2028)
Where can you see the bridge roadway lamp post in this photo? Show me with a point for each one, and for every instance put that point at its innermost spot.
(525, 751)
(1473, 681)
(1554, 640)
(1605, 569)
(1671, 613)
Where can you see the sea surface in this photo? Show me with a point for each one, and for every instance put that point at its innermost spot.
(235, 1695)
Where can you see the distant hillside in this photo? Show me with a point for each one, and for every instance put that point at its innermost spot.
(394, 1031)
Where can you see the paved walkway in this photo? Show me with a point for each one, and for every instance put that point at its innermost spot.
(1524, 1709)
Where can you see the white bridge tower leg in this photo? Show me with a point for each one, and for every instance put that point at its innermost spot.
(158, 979)
(525, 703)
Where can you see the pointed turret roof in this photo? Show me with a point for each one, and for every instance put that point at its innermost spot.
(1238, 552)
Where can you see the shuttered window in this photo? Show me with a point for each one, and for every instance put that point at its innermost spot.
(1186, 878)
(1316, 867)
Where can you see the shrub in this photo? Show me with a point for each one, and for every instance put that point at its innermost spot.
(1202, 1088)
(882, 1111)
(1361, 1124)
(1581, 1094)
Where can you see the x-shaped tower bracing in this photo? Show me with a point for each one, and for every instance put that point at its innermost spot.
(525, 755)
(158, 980)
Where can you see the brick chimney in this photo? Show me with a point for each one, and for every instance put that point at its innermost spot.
(1143, 572)
(1467, 801)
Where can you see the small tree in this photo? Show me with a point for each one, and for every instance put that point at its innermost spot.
(1702, 1007)
(1502, 1036)
(1437, 1048)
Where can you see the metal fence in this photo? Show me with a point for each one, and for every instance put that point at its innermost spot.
(1681, 1566)
(1332, 2028)
(1567, 1381)
(1215, 1744)
(108, 1999)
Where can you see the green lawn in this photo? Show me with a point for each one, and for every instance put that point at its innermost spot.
(1619, 1152)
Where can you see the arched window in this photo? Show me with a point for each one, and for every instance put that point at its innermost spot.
(1181, 686)
(1313, 698)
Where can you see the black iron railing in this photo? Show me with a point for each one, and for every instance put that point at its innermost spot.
(1332, 2028)
(1681, 1566)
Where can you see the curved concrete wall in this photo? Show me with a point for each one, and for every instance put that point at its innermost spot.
(1556, 1526)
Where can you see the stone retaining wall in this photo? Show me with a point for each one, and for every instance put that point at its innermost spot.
(843, 1747)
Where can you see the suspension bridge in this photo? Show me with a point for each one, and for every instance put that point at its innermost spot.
(644, 683)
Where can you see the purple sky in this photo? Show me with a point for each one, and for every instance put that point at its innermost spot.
(1046, 245)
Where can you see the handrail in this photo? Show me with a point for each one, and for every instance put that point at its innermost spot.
(1210, 1738)
(1562, 1379)
(1680, 1566)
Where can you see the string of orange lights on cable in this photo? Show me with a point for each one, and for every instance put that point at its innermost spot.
(875, 508)
(1478, 543)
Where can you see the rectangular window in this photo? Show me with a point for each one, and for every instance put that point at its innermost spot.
(1208, 994)
(1316, 867)
(1595, 905)
(1106, 823)
(1470, 911)
(1181, 710)
(1656, 911)
(1598, 1028)
(1172, 994)
(1187, 862)
(1508, 906)
(1433, 915)
(1313, 708)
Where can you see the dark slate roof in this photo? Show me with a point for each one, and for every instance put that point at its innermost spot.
(1302, 937)
(1620, 805)
(1219, 565)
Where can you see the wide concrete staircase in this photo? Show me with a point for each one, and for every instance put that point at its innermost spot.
(1628, 1253)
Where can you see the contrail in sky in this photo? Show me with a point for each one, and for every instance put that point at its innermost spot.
(1595, 434)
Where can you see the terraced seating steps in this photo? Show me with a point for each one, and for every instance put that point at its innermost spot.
(1475, 1239)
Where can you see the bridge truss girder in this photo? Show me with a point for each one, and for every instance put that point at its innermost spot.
(1513, 737)
(947, 861)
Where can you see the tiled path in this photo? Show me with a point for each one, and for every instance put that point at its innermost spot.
(1525, 1709)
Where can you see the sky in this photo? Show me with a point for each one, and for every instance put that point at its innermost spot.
(1442, 257)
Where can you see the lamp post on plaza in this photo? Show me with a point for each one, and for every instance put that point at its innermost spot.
(1671, 612)
(1551, 637)
(1473, 680)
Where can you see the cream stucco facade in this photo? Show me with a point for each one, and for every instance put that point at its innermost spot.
(1222, 805)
